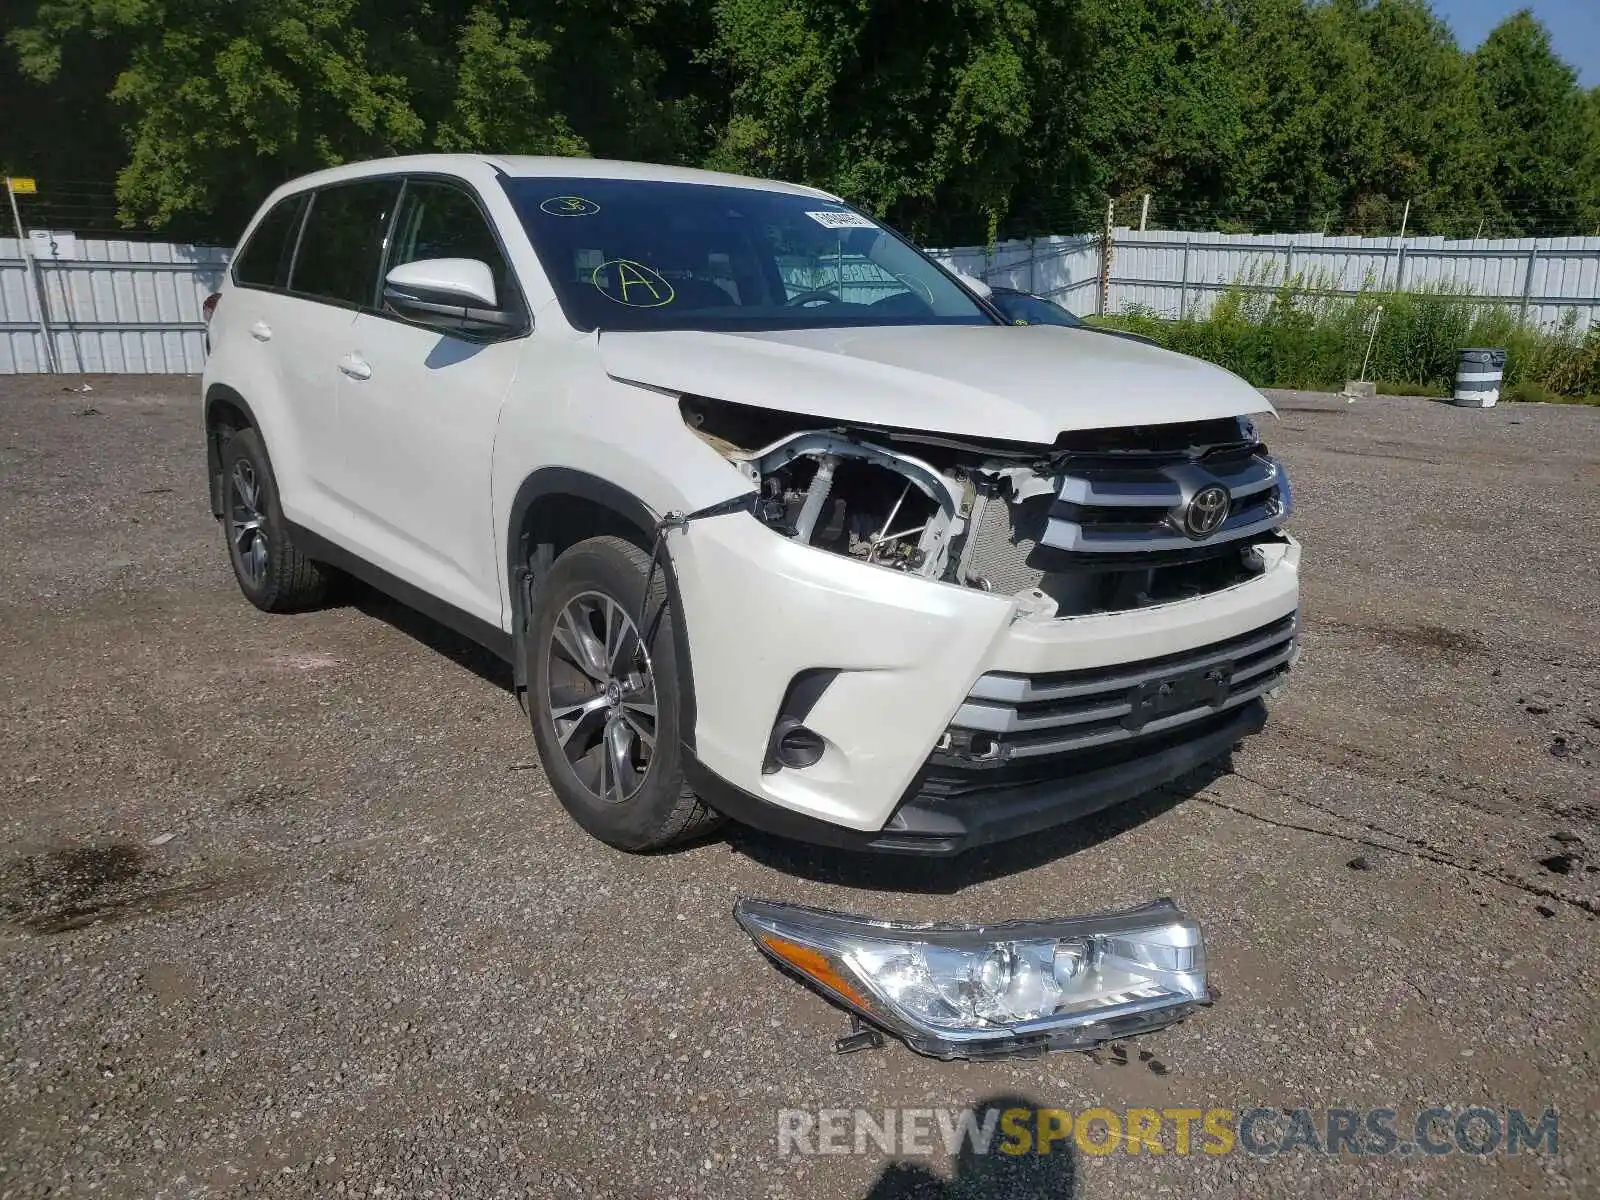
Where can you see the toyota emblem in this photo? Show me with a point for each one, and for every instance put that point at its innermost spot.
(1206, 512)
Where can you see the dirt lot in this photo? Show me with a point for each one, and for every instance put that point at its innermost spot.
(285, 904)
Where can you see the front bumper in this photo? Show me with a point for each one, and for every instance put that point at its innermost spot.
(948, 825)
(909, 663)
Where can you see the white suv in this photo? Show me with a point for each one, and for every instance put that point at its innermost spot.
(771, 517)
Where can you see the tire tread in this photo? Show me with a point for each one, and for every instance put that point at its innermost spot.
(294, 582)
(686, 817)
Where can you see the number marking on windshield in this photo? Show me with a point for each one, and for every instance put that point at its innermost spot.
(569, 206)
(635, 281)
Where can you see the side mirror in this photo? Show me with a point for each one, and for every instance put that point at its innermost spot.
(457, 294)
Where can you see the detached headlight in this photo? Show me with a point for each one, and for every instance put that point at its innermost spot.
(967, 991)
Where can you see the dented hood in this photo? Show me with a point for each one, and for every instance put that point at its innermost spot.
(1018, 384)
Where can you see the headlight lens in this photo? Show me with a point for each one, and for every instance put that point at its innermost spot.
(978, 991)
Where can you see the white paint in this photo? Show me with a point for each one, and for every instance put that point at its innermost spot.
(52, 246)
(465, 280)
(1022, 385)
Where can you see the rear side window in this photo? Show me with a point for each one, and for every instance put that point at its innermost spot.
(264, 261)
(342, 243)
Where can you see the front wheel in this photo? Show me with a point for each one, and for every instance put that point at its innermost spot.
(604, 705)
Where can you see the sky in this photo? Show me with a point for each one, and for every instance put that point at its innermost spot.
(1574, 27)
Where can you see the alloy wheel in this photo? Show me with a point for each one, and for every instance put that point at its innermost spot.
(247, 523)
(601, 691)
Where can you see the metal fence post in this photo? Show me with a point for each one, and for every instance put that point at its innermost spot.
(1527, 279)
(1183, 285)
(1288, 263)
(1033, 261)
(35, 282)
(1400, 270)
(1102, 301)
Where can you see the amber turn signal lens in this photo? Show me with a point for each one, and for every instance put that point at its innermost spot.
(814, 965)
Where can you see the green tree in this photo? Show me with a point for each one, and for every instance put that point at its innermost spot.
(1142, 99)
(1404, 121)
(224, 100)
(1542, 131)
(956, 119)
(919, 116)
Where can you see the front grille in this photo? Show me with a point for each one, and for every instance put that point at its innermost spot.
(1007, 716)
(1121, 511)
(1138, 509)
(945, 781)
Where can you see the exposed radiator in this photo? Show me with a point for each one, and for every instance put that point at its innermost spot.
(1004, 537)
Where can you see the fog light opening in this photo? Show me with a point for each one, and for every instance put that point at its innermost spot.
(799, 747)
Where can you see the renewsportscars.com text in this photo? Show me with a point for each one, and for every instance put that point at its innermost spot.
(1260, 1132)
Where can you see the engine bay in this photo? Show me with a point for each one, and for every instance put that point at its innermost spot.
(1094, 523)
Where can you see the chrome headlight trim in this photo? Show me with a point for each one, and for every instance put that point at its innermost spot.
(984, 991)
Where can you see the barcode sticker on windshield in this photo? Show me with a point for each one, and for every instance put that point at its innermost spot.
(841, 220)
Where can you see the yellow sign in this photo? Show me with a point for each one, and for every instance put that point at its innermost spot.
(22, 187)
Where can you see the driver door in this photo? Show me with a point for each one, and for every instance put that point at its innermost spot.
(418, 411)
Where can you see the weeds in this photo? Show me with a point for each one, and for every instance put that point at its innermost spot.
(1298, 334)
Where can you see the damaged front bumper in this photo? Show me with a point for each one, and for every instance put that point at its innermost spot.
(950, 717)
(978, 992)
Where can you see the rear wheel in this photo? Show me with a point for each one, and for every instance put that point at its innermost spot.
(604, 705)
(272, 573)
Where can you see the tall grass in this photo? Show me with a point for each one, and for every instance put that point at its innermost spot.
(1298, 334)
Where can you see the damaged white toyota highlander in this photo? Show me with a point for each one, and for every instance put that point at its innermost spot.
(772, 518)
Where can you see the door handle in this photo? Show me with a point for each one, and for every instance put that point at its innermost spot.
(261, 331)
(355, 366)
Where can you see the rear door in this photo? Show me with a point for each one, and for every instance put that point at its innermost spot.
(248, 347)
(334, 276)
(418, 415)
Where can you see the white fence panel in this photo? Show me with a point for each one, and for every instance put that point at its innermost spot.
(117, 307)
(1066, 269)
(135, 306)
(1181, 273)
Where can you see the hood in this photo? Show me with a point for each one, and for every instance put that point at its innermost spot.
(1010, 383)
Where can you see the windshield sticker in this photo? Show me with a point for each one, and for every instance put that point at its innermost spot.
(569, 206)
(632, 283)
(841, 220)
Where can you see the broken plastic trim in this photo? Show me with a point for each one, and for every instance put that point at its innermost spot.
(992, 991)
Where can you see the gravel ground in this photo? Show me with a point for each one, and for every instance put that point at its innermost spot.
(286, 905)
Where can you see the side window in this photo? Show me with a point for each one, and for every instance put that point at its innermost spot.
(264, 261)
(442, 220)
(342, 243)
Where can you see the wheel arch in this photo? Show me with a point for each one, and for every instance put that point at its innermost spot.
(226, 413)
(554, 509)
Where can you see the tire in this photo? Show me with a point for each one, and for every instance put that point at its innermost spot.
(272, 573)
(626, 798)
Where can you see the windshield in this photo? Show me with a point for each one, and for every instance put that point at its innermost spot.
(639, 254)
(1021, 308)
